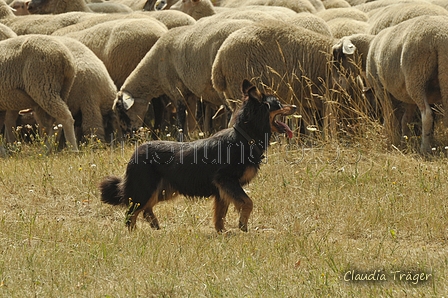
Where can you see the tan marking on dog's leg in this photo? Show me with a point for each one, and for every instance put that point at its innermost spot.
(242, 203)
(248, 175)
(220, 207)
(245, 211)
(148, 213)
(131, 217)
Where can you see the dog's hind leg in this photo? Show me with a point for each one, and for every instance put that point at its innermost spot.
(232, 191)
(148, 214)
(221, 207)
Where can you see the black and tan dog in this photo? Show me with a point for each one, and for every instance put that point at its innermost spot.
(217, 166)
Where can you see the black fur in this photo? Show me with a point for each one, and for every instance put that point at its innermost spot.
(217, 166)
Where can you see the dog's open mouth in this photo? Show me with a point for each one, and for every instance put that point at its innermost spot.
(280, 126)
(283, 128)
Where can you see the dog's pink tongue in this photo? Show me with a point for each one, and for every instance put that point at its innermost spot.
(286, 128)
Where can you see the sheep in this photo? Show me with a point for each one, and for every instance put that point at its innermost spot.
(409, 61)
(20, 7)
(178, 65)
(170, 18)
(311, 22)
(6, 32)
(203, 8)
(370, 7)
(38, 73)
(38, 24)
(394, 14)
(345, 12)
(318, 5)
(109, 7)
(296, 5)
(341, 27)
(279, 56)
(138, 4)
(93, 92)
(61, 6)
(159, 4)
(121, 44)
(331, 4)
(195, 8)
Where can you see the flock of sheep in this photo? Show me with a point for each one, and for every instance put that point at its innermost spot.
(106, 62)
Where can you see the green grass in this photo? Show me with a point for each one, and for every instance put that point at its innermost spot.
(318, 213)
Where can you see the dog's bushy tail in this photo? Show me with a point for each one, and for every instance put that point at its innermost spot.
(111, 192)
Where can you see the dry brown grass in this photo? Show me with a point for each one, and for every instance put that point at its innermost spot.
(319, 212)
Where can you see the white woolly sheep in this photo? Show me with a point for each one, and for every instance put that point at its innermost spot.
(397, 13)
(341, 27)
(6, 32)
(62, 6)
(137, 4)
(170, 18)
(109, 7)
(179, 65)
(331, 4)
(38, 24)
(350, 12)
(20, 7)
(309, 21)
(277, 55)
(92, 94)
(93, 91)
(370, 7)
(195, 8)
(409, 61)
(121, 44)
(204, 8)
(39, 72)
(296, 5)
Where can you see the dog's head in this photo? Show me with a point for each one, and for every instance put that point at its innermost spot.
(259, 107)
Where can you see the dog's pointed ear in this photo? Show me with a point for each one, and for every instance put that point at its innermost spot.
(250, 90)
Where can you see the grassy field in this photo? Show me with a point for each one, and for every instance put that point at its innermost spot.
(324, 217)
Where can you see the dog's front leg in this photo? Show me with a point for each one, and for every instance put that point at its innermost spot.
(221, 207)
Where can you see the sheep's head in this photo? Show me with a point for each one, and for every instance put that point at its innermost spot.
(38, 7)
(344, 62)
(130, 111)
(160, 5)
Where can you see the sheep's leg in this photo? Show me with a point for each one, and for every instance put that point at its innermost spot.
(10, 124)
(92, 123)
(407, 118)
(207, 118)
(191, 113)
(60, 112)
(427, 126)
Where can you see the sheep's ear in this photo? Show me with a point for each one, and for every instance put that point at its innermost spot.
(348, 48)
(250, 90)
(342, 48)
(127, 100)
